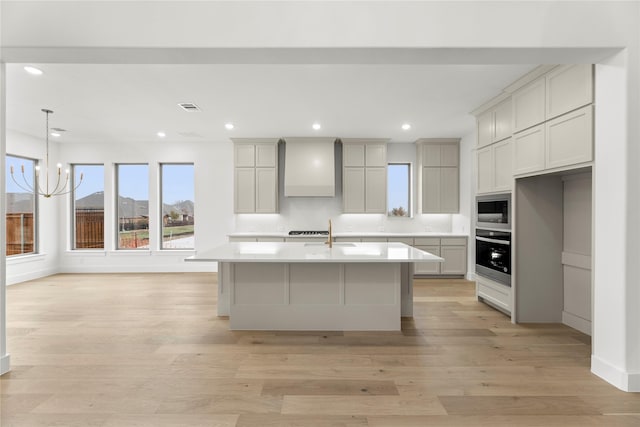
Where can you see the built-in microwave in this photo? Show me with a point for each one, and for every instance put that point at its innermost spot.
(493, 211)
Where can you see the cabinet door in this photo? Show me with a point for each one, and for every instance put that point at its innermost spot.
(449, 190)
(528, 150)
(569, 138)
(244, 155)
(455, 259)
(376, 190)
(569, 87)
(529, 105)
(484, 170)
(352, 154)
(449, 155)
(376, 155)
(266, 155)
(431, 155)
(428, 267)
(502, 120)
(485, 128)
(266, 190)
(245, 190)
(502, 165)
(431, 190)
(353, 190)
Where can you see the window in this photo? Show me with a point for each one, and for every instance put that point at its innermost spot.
(133, 206)
(22, 206)
(88, 206)
(399, 189)
(176, 197)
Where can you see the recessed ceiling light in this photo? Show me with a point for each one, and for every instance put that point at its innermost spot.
(316, 126)
(161, 134)
(33, 70)
(228, 126)
(406, 126)
(56, 134)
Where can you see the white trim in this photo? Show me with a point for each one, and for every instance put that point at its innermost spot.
(21, 259)
(86, 253)
(127, 253)
(576, 322)
(13, 279)
(625, 381)
(174, 252)
(5, 364)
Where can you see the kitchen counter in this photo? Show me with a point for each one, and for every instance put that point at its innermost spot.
(284, 234)
(316, 252)
(309, 286)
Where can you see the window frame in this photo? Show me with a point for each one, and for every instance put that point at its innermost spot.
(117, 206)
(161, 204)
(72, 177)
(36, 207)
(409, 166)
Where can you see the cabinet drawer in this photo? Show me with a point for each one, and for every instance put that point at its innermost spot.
(270, 239)
(426, 241)
(500, 298)
(242, 239)
(373, 239)
(453, 241)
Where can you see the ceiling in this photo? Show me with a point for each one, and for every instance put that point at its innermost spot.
(131, 103)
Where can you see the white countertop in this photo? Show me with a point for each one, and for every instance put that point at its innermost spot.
(284, 234)
(314, 252)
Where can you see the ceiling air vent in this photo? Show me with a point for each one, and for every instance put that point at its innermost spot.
(188, 106)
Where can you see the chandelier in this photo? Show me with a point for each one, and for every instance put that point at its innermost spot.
(44, 190)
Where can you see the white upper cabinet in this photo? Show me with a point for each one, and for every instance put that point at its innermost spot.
(569, 87)
(569, 138)
(495, 124)
(502, 121)
(494, 167)
(529, 105)
(364, 175)
(528, 150)
(439, 182)
(255, 175)
(353, 155)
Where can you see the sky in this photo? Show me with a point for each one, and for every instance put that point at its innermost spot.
(398, 186)
(177, 180)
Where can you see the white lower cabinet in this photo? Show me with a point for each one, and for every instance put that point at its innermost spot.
(455, 259)
(428, 267)
(493, 293)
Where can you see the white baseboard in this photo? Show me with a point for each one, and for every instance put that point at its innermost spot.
(191, 267)
(5, 364)
(12, 279)
(471, 276)
(625, 381)
(576, 322)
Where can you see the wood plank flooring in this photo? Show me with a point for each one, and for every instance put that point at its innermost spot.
(114, 350)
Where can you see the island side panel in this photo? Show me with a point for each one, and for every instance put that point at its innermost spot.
(407, 270)
(315, 296)
(224, 286)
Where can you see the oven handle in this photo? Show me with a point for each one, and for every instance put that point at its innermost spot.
(502, 242)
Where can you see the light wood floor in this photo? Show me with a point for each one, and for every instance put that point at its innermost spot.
(147, 350)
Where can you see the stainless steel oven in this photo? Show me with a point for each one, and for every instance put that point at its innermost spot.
(494, 211)
(493, 255)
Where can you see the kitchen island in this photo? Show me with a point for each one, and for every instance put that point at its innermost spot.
(311, 286)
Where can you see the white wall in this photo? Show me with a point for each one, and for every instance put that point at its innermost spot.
(27, 267)
(213, 169)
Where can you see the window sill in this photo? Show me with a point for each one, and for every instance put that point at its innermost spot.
(22, 259)
(130, 252)
(87, 252)
(174, 252)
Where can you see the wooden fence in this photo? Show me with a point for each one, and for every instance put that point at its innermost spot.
(89, 229)
(20, 232)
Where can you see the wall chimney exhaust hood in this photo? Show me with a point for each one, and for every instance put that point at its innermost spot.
(309, 167)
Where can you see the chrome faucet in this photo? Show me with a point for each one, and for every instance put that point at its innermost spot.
(330, 237)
